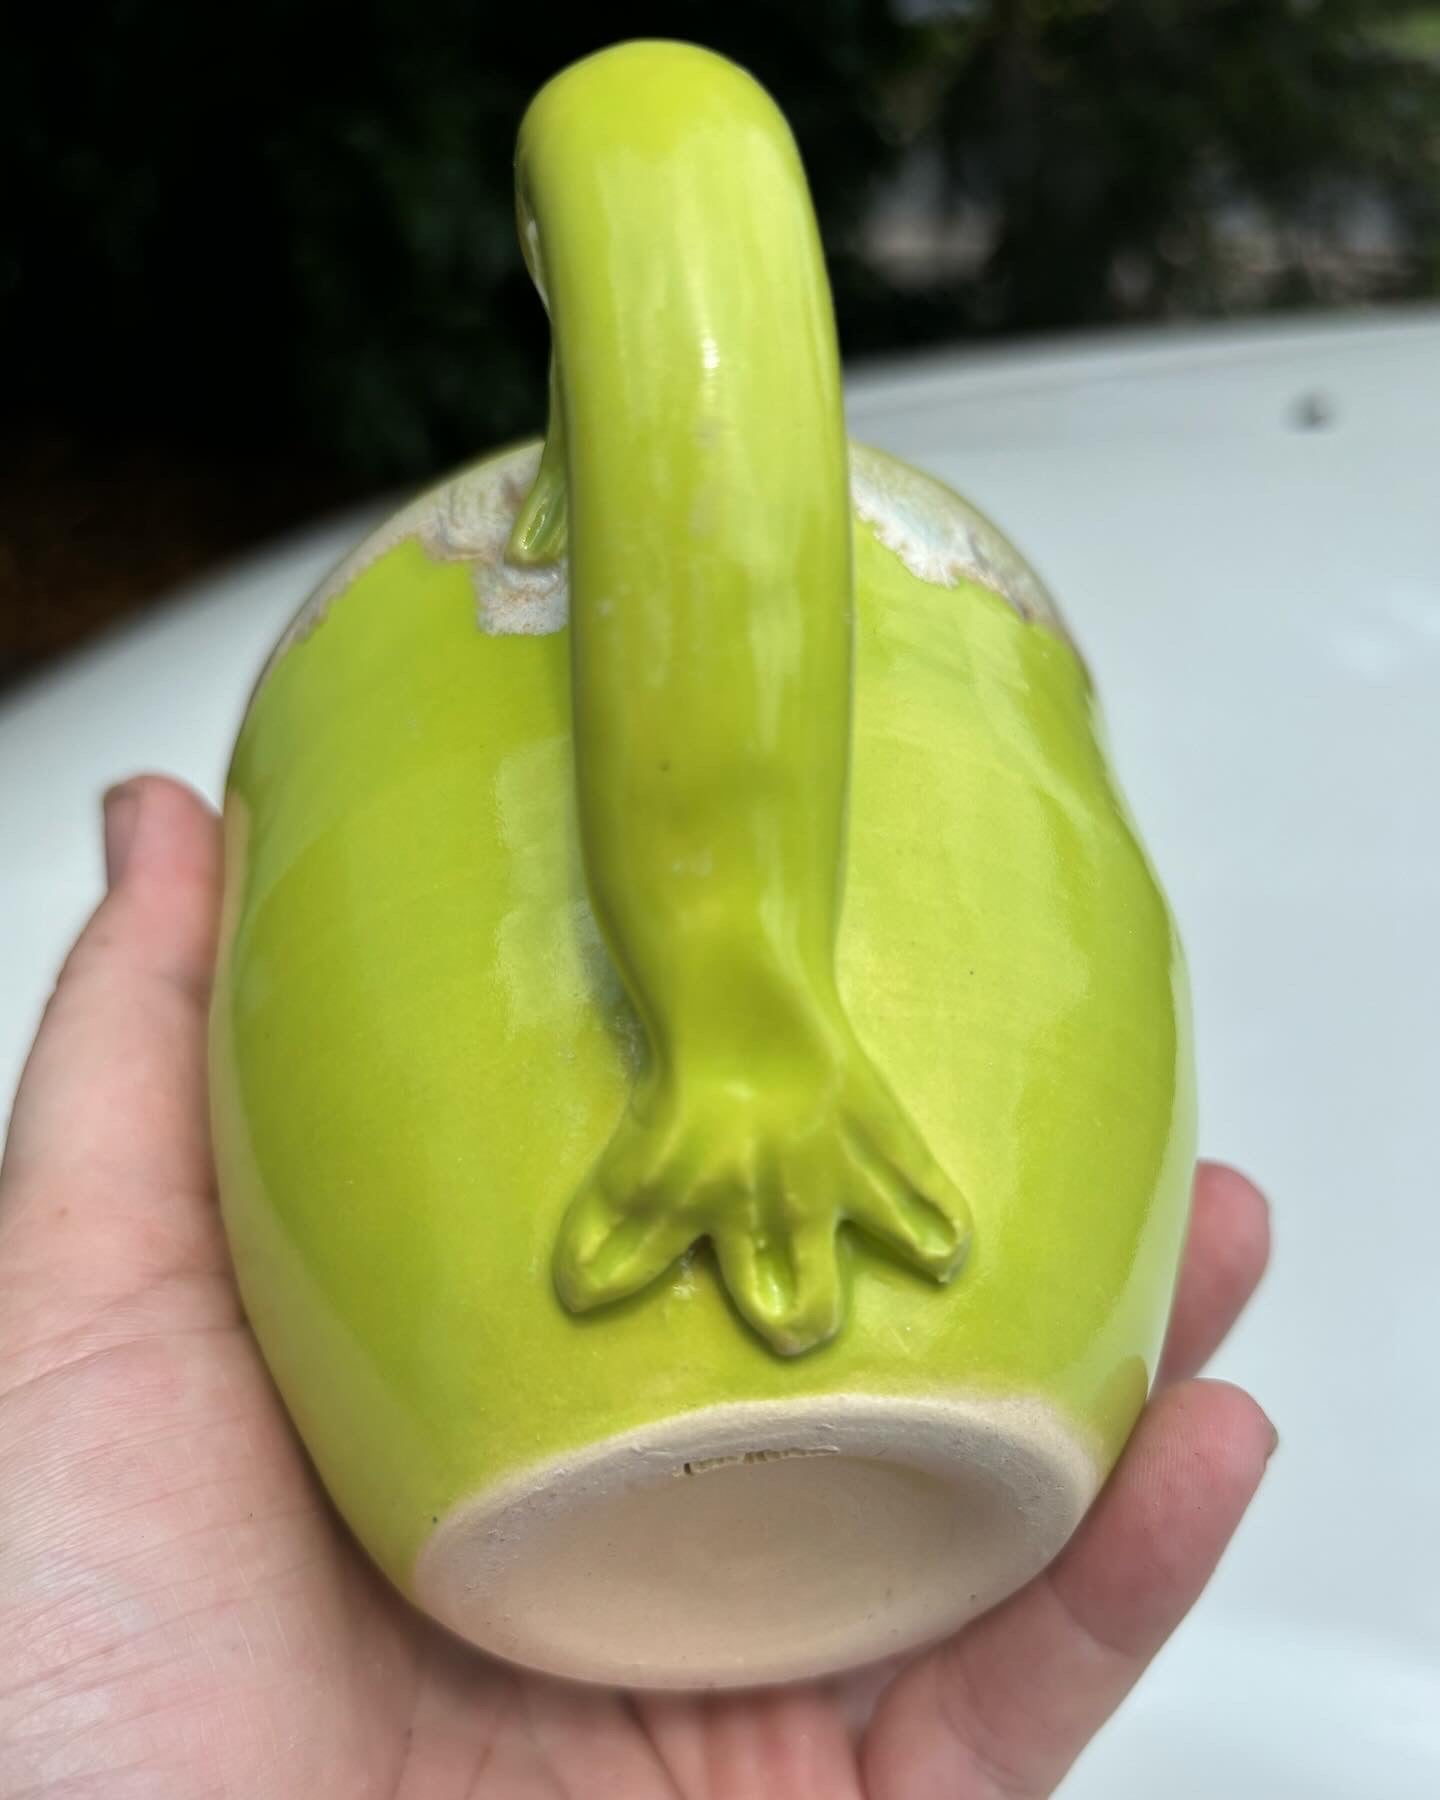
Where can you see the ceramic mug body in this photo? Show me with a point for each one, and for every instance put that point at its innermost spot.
(700, 1065)
(420, 1046)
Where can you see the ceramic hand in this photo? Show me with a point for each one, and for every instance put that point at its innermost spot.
(181, 1614)
(765, 1156)
(702, 495)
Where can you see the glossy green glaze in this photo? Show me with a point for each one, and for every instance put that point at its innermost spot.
(489, 894)
(697, 399)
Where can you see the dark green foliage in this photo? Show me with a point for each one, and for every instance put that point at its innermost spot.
(1147, 156)
(289, 223)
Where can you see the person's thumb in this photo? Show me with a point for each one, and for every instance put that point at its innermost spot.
(106, 1187)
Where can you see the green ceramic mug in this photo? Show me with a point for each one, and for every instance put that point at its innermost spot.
(678, 1279)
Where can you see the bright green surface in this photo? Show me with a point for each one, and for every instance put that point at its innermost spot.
(420, 1049)
(705, 490)
(422, 1041)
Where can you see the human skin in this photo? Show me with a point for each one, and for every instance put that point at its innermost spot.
(181, 1613)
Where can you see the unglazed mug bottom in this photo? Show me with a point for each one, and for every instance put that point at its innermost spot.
(761, 1542)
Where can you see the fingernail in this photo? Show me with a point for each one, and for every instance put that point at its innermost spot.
(1274, 1438)
(121, 807)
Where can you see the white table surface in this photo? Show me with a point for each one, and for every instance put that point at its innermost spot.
(1261, 604)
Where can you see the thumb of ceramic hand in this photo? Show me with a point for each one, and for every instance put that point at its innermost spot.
(108, 1228)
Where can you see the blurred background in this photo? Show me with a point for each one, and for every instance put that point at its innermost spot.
(255, 264)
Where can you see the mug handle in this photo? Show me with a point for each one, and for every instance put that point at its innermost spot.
(696, 473)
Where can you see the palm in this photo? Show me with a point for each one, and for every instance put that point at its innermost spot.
(232, 1638)
(182, 1615)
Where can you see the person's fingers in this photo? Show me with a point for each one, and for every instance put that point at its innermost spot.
(1226, 1250)
(1004, 1708)
(107, 1180)
(1225, 1255)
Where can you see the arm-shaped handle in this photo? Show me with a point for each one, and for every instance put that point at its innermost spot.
(697, 465)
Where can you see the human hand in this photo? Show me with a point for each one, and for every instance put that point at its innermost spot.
(181, 1612)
